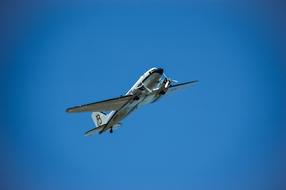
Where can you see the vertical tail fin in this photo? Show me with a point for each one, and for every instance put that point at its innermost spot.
(99, 118)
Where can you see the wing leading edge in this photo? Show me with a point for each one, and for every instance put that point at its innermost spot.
(106, 105)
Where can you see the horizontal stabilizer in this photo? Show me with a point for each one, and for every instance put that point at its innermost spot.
(94, 130)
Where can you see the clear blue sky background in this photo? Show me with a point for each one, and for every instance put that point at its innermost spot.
(227, 132)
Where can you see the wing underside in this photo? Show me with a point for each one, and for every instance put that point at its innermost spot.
(106, 105)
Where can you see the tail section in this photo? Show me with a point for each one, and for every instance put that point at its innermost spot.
(99, 118)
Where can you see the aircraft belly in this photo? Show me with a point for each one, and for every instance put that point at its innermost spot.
(148, 99)
(151, 82)
(120, 115)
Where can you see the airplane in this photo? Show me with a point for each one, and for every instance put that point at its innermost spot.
(150, 87)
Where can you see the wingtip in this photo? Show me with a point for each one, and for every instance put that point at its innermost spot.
(87, 134)
(69, 110)
(73, 109)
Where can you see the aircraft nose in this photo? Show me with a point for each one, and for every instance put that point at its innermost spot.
(160, 71)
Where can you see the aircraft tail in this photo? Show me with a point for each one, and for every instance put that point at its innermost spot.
(99, 118)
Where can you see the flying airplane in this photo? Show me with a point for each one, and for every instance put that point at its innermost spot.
(150, 87)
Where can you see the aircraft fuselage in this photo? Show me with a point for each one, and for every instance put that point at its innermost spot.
(141, 89)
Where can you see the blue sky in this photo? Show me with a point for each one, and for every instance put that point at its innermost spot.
(227, 132)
